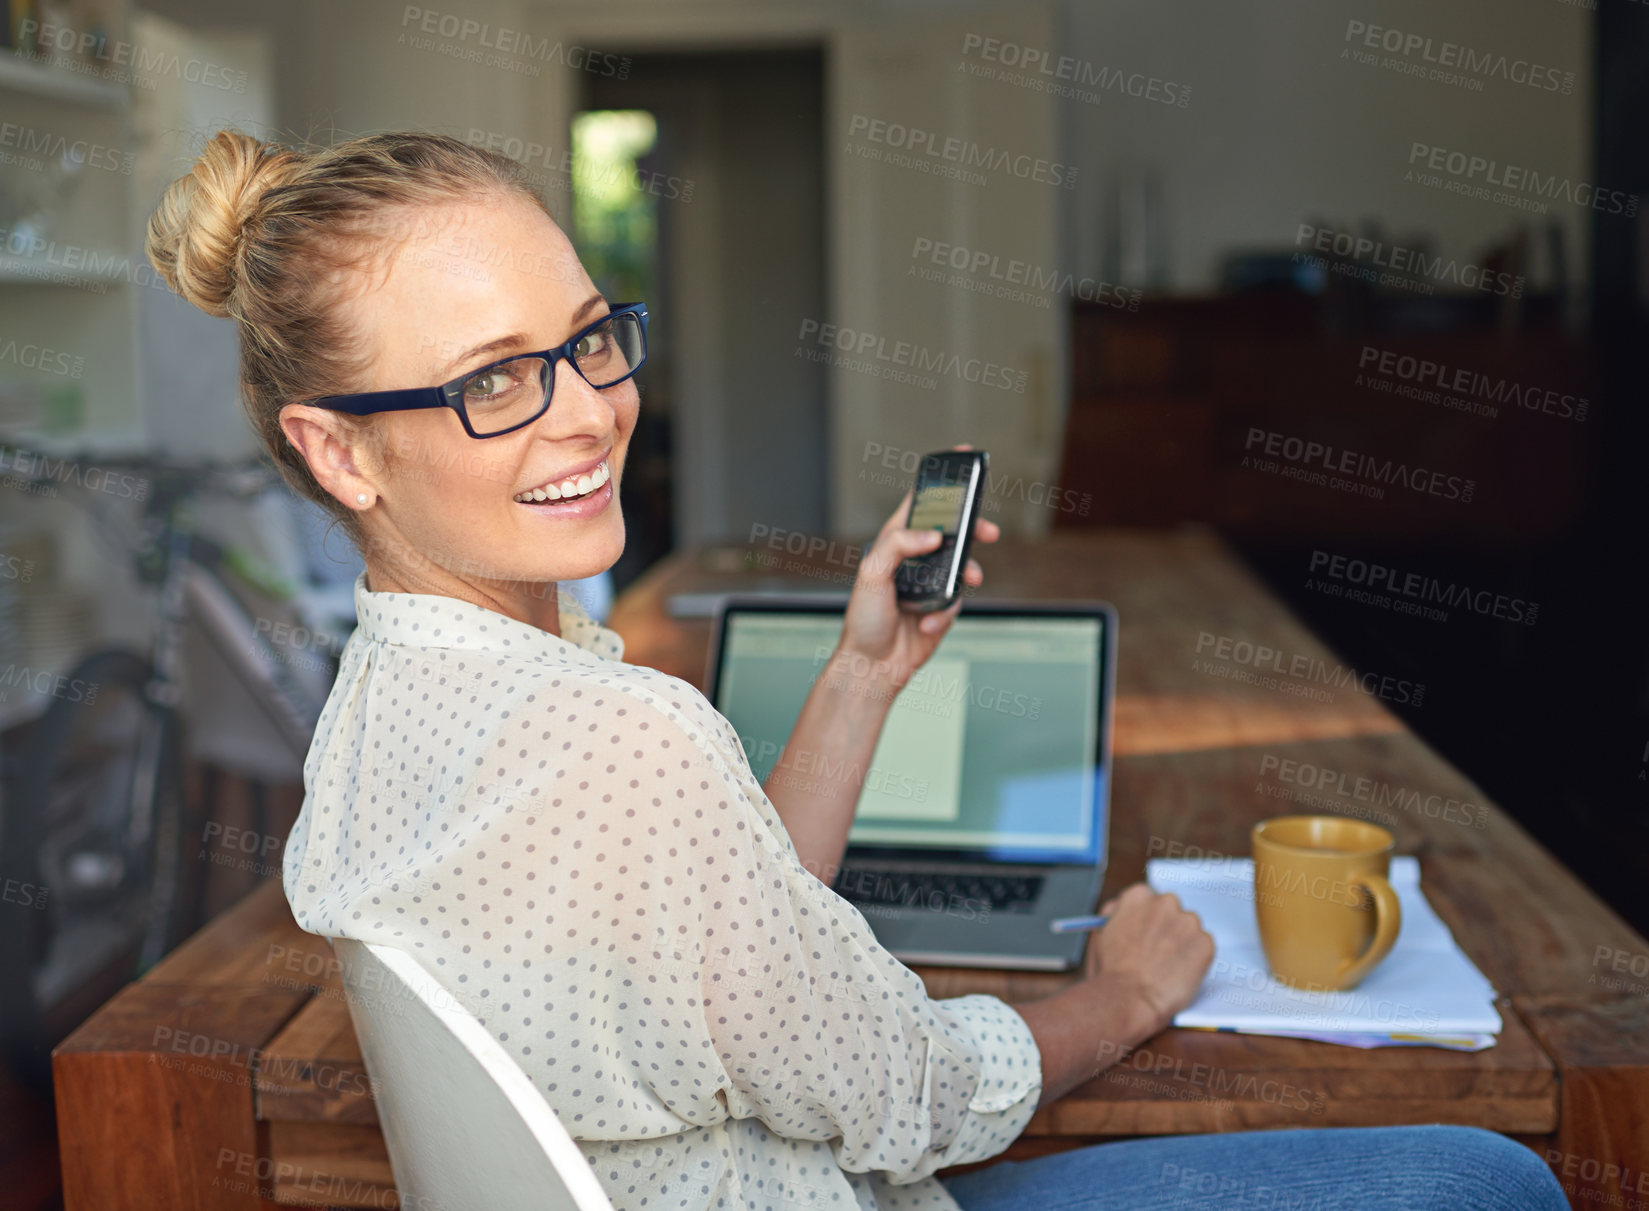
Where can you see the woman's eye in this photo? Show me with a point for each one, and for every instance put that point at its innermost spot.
(592, 344)
(489, 385)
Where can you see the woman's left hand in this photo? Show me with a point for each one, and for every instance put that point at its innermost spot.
(882, 644)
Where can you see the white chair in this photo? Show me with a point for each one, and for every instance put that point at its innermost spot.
(465, 1127)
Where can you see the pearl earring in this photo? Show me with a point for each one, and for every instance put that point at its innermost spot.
(361, 499)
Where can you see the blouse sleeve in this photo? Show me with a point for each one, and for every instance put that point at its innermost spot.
(808, 1024)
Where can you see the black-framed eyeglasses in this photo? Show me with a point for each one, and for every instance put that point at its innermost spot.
(502, 397)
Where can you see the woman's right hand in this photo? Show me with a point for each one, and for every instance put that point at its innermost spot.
(1151, 949)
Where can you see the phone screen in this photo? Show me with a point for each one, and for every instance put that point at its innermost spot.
(945, 500)
(938, 507)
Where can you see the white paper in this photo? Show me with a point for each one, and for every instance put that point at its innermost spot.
(1426, 985)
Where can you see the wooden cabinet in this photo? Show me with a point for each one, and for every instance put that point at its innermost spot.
(1272, 415)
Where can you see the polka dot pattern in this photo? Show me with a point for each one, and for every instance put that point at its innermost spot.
(578, 851)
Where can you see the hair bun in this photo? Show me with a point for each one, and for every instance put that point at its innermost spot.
(194, 234)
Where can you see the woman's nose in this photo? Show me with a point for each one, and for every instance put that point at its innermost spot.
(575, 406)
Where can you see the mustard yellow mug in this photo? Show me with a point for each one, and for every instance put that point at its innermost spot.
(1327, 913)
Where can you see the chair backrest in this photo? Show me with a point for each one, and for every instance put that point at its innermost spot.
(464, 1125)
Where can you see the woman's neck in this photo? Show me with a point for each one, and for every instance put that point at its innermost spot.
(532, 602)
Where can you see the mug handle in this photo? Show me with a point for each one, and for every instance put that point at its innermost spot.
(1388, 919)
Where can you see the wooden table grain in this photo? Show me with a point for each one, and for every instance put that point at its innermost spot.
(278, 1088)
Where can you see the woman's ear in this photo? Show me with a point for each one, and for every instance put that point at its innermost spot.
(335, 452)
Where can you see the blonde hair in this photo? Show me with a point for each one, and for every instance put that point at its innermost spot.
(260, 233)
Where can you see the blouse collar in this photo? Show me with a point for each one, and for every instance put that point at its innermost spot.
(431, 621)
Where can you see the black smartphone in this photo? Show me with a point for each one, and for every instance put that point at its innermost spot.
(949, 487)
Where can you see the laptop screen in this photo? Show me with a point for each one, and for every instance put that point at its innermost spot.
(993, 746)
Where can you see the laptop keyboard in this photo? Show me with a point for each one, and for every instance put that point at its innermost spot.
(939, 890)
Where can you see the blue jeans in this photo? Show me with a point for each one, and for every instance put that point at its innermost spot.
(1320, 1169)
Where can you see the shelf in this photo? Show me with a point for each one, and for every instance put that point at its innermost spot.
(20, 75)
(38, 271)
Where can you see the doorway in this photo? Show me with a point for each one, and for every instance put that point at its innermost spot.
(721, 224)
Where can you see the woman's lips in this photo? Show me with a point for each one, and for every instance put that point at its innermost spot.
(591, 504)
(579, 483)
(573, 482)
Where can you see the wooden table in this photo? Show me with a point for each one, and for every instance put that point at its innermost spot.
(231, 1073)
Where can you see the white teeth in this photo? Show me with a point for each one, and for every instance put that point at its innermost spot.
(578, 485)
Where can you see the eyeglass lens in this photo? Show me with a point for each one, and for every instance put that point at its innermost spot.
(513, 393)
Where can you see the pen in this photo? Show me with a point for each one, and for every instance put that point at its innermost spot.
(1072, 924)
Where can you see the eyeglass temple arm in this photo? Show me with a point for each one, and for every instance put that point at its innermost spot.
(404, 400)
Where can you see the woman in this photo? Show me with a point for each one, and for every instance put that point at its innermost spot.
(576, 846)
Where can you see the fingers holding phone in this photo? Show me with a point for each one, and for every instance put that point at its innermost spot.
(878, 624)
(950, 487)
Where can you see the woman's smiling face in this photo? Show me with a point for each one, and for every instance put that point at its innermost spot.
(470, 284)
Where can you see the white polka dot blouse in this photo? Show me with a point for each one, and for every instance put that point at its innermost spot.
(577, 849)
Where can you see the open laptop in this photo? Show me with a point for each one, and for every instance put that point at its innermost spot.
(985, 806)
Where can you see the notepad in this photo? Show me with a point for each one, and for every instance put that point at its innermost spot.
(1425, 993)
